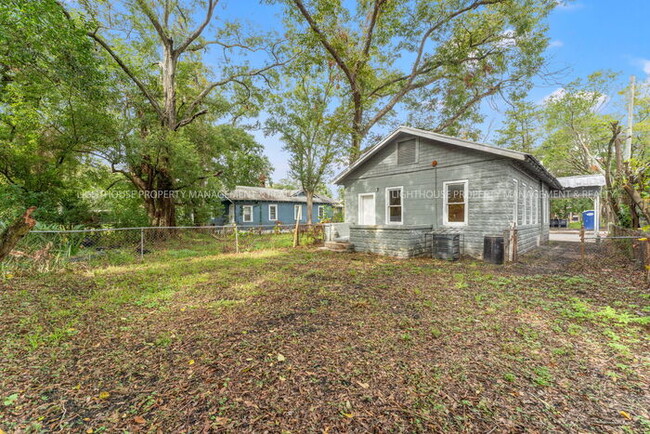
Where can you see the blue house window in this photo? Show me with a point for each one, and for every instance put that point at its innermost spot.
(247, 213)
(321, 212)
(273, 212)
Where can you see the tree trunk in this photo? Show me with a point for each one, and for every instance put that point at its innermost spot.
(310, 206)
(15, 232)
(158, 193)
(169, 87)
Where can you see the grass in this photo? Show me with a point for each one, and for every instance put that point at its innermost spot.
(301, 340)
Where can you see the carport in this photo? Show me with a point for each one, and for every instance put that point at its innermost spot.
(579, 187)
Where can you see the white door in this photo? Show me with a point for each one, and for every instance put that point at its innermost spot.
(366, 209)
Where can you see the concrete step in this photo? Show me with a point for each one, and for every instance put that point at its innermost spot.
(339, 246)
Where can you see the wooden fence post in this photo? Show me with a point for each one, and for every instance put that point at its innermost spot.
(236, 239)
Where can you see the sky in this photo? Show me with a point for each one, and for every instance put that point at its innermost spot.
(585, 36)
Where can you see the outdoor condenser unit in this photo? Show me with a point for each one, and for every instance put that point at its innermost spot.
(446, 246)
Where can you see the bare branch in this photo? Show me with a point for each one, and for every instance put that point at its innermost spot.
(128, 72)
(166, 40)
(192, 37)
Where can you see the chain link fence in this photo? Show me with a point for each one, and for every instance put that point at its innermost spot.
(621, 248)
(43, 250)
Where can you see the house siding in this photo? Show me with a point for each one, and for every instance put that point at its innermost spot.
(490, 199)
(285, 213)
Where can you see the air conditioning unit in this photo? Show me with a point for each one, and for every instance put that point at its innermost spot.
(446, 246)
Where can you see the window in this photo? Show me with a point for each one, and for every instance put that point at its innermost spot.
(536, 207)
(515, 201)
(321, 212)
(530, 206)
(524, 208)
(394, 205)
(455, 203)
(247, 213)
(407, 152)
(546, 208)
(297, 212)
(273, 213)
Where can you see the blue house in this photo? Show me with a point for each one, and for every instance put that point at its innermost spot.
(259, 206)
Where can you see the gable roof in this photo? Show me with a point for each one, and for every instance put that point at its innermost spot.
(246, 193)
(527, 160)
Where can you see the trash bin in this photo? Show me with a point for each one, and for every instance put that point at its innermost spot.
(446, 246)
(588, 220)
(493, 249)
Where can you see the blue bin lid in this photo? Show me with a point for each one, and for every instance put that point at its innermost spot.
(589, 213)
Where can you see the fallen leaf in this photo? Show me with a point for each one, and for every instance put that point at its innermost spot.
(139, 419)
(363, 385)
(104, 395)
(626, 415)
(191, 362)
(281, 358)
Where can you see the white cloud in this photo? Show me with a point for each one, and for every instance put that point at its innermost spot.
(645, 63)
(556, 43)
(599, 100)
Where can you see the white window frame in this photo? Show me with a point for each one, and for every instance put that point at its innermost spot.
(547, 209)
(275, 207)
(320, 213)
(445, 202)
(524, 204)
(417, 150)
(536, 207)
(530, 206)
(374, 201)
(401, 205)
(297, 216)
(243, 213)
(515, 207)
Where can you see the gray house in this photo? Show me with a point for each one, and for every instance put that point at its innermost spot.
(414, 183)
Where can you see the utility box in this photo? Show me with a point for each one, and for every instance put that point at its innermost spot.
(493, 249)
(588, 220)
(446, 246)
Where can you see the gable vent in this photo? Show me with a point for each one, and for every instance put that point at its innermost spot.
(407, 152)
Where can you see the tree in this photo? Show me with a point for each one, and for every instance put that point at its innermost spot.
(308, 126)
(51, 89)
(578, 131)
(448, 54)
(521, 129)
(157, 105)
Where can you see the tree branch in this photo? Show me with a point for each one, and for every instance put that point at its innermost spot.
(192, 37)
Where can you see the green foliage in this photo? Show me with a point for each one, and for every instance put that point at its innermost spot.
(438, 60)
(50, 85)
(577, 131)
(310, 129)
(521, 129)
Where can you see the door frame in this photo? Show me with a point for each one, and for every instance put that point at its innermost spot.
(374, 202)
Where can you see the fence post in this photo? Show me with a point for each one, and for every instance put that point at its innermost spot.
(647, 259)
(582, 244)
(296, 235)
(236, 239)
(142, 244)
